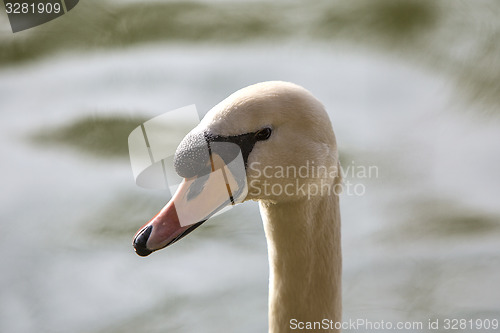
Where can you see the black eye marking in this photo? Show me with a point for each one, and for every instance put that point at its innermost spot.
(192, 157)
(263, 134)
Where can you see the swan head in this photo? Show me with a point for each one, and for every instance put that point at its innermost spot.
(270, 142)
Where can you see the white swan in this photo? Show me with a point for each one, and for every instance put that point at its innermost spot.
(291, 164)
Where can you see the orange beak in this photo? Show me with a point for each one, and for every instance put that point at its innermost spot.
(196, 200)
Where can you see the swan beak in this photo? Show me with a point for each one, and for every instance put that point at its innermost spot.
(195, 200)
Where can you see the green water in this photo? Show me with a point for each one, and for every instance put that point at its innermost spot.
(411, 87)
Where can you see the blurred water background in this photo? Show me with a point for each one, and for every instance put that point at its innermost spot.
(412, 87)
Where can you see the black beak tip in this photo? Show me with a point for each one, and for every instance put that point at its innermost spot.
(141, 240)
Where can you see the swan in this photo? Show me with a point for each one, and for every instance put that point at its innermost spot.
(284, 135)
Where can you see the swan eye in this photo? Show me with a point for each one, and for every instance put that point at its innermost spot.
(263, 134)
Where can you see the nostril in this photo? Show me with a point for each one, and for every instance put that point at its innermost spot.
(141, 240)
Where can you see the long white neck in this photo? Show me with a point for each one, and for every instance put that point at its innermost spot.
(305, 262)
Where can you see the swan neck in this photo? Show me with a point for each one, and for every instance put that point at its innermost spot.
(305, 263)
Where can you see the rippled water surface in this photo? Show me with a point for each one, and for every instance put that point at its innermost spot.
(421, 242)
